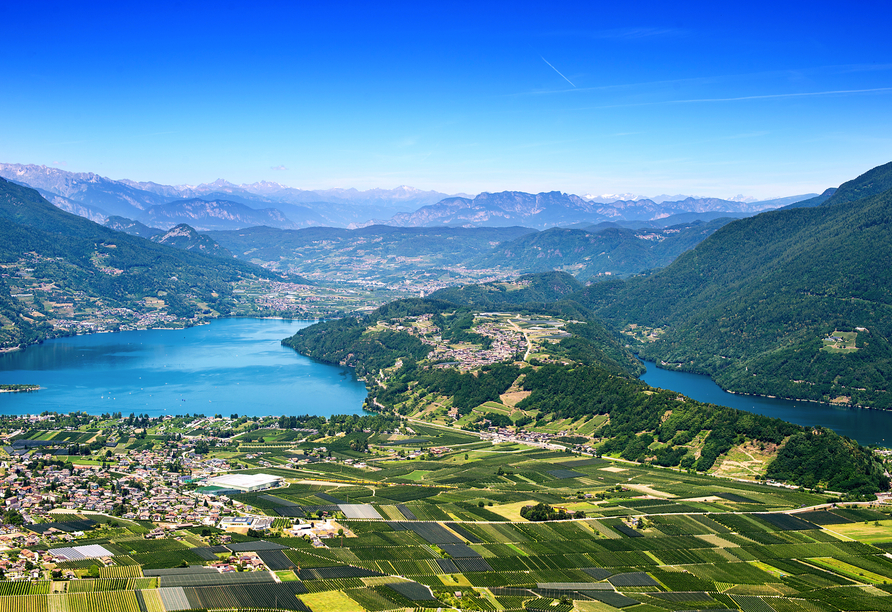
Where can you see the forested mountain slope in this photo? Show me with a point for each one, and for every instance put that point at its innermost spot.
(54, 260)
(528, 290)
(185, 237)
(603, 251)
(753, 304)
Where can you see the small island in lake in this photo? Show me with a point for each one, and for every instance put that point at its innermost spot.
(18, 388)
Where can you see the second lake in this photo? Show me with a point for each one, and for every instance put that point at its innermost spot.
(861, 424)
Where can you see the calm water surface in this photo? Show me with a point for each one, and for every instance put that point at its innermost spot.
(865, 426)
(230, 366)
(239, 366)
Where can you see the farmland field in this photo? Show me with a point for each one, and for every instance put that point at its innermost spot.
(331, 601)
(648, 540)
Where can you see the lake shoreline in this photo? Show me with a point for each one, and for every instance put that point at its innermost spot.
(186, 324)
(868, 426)
(231, 365)
(761, 395)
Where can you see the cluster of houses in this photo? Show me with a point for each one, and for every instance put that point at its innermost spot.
(241, 561)
(134, 486)
(532, 438)
(507, 343)
(122, 319)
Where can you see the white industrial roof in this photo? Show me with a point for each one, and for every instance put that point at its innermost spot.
(244, 481)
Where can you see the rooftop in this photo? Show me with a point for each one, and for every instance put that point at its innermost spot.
(244, 481)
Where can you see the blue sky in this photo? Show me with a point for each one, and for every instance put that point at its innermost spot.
(764, 99)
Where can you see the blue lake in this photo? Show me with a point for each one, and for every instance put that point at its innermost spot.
(861, 424)
(239, 366)
(230, 366)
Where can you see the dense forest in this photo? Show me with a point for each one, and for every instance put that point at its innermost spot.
(530, 291)
(467, 390)
(751, 304)
(347, 341)
(599, 250)
(820, 455)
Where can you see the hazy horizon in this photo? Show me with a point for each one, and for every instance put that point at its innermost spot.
(663, 196)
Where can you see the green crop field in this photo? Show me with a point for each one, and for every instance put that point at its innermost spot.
(645, 539)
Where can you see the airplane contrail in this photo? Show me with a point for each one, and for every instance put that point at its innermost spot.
(558, 71)
(806, 94)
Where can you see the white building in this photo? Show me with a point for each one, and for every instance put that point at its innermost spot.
(246, 482)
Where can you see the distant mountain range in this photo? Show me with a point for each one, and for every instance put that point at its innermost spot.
(230, 206)
(544, 210)
(213, 214)
(97, 198)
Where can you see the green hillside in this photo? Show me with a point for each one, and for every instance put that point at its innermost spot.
(60, 268)
(612, 251)
(374, 252)
(541, 288)
(357, 342)
(437, 361)
(388, 253)
(186, 238)
(757, 304)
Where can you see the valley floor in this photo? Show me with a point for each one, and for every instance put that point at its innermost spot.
(442, 526)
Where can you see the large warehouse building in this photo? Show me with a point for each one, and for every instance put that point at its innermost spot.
(245, 482)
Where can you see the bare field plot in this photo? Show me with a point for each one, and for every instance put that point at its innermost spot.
(331, 601)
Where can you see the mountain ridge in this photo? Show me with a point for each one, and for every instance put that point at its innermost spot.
(61, 269)
(214, 214)
(752, 304)
(127, 198)
(185, 237)
(97, 197)
(550, 209)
